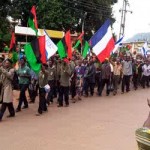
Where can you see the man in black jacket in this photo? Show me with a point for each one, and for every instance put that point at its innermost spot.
(90, 77)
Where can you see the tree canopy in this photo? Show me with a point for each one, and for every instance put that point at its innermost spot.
(56, 15)
(65, 14)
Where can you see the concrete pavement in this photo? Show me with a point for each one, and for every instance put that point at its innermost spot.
(95, 123)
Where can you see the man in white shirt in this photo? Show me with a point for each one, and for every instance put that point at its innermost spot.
(146, 73)
(127, 73)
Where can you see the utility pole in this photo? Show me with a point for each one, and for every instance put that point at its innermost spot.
(123, 17)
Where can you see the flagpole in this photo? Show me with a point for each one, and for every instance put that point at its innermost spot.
(83, 24)
(27, 34)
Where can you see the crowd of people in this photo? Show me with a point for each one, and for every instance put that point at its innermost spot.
(69, 79)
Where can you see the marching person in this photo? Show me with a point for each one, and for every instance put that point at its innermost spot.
(127, 73)
(7, 73)
(106, 74)
(43, 81)
(146, 74)
(24, 80)
(90, 78)
(117, 67)
(51, 81)
(65, 73)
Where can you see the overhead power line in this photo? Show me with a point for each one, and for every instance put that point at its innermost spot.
(98, 8)
(90, 3)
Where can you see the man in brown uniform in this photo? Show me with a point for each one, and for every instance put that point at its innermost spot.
(51, 81)
(65, 73)
(43, 80)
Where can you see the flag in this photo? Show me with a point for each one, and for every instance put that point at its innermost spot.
(50, 47)
(102, 41)
(12, 46)
(64, 46)
(145, 49)
(79, 41)
(13, 55)
(85, 50)
(68, 43)
(42, 49)
(31, 58)
(118, 44)
(32, 21)
(38, 47)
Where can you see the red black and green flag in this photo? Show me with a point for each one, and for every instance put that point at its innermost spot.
(85, 49)
(79, 41)
(32, 21)
(35, 53)
(12, 46)
(13, 55)
(64, 46)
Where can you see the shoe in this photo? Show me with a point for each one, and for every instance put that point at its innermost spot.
(107, 94)
(48, 103)
(18, 110)
(38, 114)
(67, 105)
(59, 105)
(31, 102)
(73, 101)
(9, 116)
(99, 94)
(79, 98)
(24, 107)
(122, 92)
(45, 111)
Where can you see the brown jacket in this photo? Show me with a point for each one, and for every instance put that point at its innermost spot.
(6, 91)
(65, 73)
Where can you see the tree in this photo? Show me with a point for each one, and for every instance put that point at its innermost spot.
(65, 14)
(4, 22)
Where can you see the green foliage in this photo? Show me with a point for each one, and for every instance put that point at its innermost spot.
(4, 23)
(65, 14)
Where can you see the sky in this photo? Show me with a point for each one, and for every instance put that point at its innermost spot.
(137, 22)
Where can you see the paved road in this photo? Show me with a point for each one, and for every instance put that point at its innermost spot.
(97, 123)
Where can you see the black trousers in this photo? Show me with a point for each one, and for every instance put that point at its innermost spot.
(88, 85)
(22, 97)
(42, 101)
(73, 89)
(51, 92)
(107, 82)
(10, 108)
(135, 81)
(126, 82)
(64, 95)
(145, 81)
